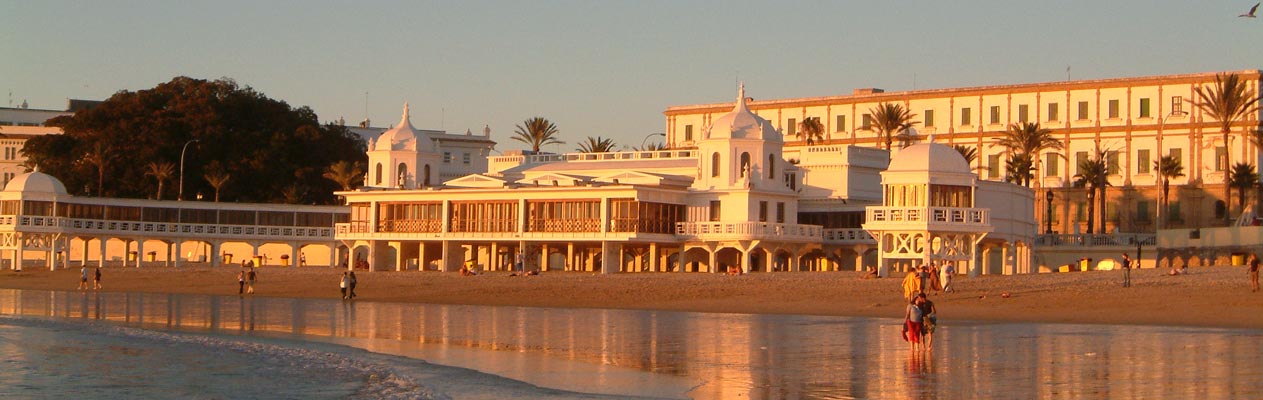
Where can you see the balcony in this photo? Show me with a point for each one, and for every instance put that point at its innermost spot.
(848, 236)
(748, 231)
(1125, 240)
(946, 218)
(31, 223)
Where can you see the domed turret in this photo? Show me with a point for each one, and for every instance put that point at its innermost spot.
(36, 182)
(742, 124)
(403, 137)
(929, 156)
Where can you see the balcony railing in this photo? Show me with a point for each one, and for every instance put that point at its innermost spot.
(930, 215)
(1082, 240)
(848, 236)
(748, 230)
(76, 225)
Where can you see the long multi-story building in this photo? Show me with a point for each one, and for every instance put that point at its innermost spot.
(1134, 121)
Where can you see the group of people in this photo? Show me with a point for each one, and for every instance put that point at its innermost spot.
(348, 285)
(83, 278)
(928, 277)
(920, 317)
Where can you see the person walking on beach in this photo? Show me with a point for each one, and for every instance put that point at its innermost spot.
(96, 281)
(911, 285)
(83, 277)
(912, 318)
(1254, 272)
(949, 269)
(1126, 263)
(343, 284)
(352, 287)
(929, 320)
(250, 279)
(302, 259)
(241, 281)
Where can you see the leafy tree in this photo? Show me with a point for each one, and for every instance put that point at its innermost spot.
(347, 174)
(1243, 177)
(162, 172)
(537, 132)
(596, 145)
(1168, 167)
(890, 119)
(265, 144)
(1229, 100)
(812, 129)
(1092, 176)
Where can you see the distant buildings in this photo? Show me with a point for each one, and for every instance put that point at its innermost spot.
(17, 124)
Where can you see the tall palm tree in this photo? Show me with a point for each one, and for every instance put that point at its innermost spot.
(217, 178)
(907, 138)
(1029, 140)
(812, 129)
(162, 172)
(347, 174)
(1168, 168)
(1019, 169)
(596, 145)
(100, 157)
(970, 153)
(537, 132)
(1092, 176)
(1243, 177)
(1229, 100)
(890, 119)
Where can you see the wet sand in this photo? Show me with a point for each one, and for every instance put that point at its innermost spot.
(1208, 297)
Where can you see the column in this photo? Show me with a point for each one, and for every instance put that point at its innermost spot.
(679, 260)
(611, 254)
(333, 255)
(399, 260)
(84, 261)
(140, 251)
(215, 258)
(372, 256)
(101, 262)
(712, 266)
(543, 257)
(745, 261)
(859, 257)
(178, 249)
(570, 261)
(421, 262)
(883, 270)
(653, 257)
(1006, 264)
(295, 249)
(769, 261)
(452, 254)
(795, 262)
(17, 256)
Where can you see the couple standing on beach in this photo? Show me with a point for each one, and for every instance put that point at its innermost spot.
(245, 281)
(348, 283)
(83, 278)
(920, 320)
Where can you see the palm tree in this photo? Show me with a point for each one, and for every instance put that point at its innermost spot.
(970, 153)
(1243, 178)
(907, 138)
(162, 172)
(1027, 139)
(537, 132)
(217, 178)
(1019, 169)
(1092, 176)
(1168, 167)
(347, 174)
(1229, 100)
(596, 145)
(890, 119)
(812, 129)
(99, 157)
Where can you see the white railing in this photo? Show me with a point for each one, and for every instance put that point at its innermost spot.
(621, 155)
(74, 225)
(748, 230)
(930, 215)
(1092, 239)
(848, 236)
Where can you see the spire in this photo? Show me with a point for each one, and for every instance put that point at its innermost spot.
(406, 121)
(741, 97)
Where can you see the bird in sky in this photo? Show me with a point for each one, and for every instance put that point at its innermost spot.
(1251, 13)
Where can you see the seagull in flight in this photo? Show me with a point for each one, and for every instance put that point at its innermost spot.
(1251, 13)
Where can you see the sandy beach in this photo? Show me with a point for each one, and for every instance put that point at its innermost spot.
(1207, 297)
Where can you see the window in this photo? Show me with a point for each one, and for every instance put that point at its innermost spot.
(378, 174)
(447, 157)
(1022, 113)
(1113, 109)
(771, 166)
(1142, 161)
(1050, 164)
(1221, 158)
(1111, 160)
(402, 175)
(1080, 211)
(1177, 104)
(714, 165)
(1083, 110)
(1173, 211)
(762, 211)
(841, 124)
(780, 212)
(964, 116)
(791, 127)
(929, 118)
(868, 122)
(1080, 158)
(464, 159)
(993, 166)
(714, 210)
(688, 133)
(1052, 111)
(1142, 211)
(995, 114)
(1177, 154)
(745, 164)
(1144, 107)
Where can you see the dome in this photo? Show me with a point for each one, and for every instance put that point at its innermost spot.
(929, 156)
(35, 182)
(742, 124)
(402, 137)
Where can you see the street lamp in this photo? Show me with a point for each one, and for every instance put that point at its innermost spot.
(180, 196)
(1048, 197)
(1158, 182)
(1091, 202)
(646, 139)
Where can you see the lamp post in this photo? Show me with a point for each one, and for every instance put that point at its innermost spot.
(646, 139)
(1091, 199)
(180, 196)
(1158, 182)
(1048, 198)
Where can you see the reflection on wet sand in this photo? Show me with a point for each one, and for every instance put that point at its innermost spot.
(722, 355)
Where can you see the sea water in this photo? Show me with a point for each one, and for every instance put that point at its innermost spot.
(110, 345)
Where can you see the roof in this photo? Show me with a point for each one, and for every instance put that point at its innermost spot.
(403, 137)
(35, 182)
(929, 156)
(741, 124)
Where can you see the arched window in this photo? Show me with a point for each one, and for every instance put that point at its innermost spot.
(714, 164)
(771, 166)
(745, 164)
(1221, 208)
(403, 175)
(378, 180)
(427, 175)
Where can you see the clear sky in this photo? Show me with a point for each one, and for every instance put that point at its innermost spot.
(596, 68)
